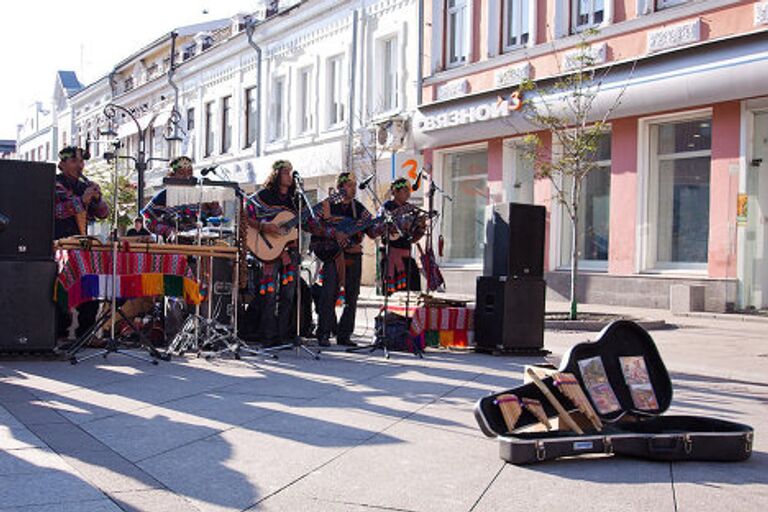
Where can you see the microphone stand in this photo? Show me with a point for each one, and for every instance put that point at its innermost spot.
(380, 340)
(301, 197)
(112, 343)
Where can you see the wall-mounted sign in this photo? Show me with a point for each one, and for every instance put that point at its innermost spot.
(741, 209)
(485, 111)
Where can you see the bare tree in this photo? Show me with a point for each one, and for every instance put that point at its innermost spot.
(566, 109)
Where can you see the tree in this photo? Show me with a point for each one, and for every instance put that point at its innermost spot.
(102, 173)
(566, 109)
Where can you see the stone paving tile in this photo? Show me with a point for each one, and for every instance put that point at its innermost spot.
(158, 500)
(47, 487)
(30, 461)
(100, 505)
(593, 485)
(424, 470)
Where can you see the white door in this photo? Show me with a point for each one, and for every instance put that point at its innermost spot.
(756, 278)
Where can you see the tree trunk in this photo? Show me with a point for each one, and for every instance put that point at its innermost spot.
(574, 247)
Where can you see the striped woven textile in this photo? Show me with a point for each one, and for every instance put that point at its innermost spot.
(87, 275)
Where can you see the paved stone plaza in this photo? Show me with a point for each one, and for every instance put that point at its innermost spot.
(353, 432)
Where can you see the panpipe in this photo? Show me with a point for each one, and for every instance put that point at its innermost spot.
(568, 385)
(534, 407)
(565, 417)
(511, 408)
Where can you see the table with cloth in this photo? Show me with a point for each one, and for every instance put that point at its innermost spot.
(87, 275)
(440, 326)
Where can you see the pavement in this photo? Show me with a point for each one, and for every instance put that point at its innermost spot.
(355, 432)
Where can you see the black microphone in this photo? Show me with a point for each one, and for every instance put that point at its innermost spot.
(208, 170)
(296, 176)
(417, 182)
(366, 181)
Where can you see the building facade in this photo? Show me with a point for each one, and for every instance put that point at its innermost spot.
(679, 195)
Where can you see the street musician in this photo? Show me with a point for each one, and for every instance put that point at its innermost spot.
(400, 270)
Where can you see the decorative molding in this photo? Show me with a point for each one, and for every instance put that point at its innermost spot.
(384, 7)
(290, 46)
(512, 75)
(761, 13)
(675, 35)
(453, 89)
(597, 52)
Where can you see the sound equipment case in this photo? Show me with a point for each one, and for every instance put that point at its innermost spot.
(627, 431)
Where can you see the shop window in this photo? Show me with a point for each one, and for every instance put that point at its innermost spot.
(678, 207)
(466, 180)
(593, 214)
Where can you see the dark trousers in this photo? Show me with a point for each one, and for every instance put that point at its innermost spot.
(327, 303)
(276, 321)
(86, 317)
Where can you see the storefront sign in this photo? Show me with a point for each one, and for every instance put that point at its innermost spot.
(472, 114)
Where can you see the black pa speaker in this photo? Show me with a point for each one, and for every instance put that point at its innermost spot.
(26, 210)
(27, 310)
(509, 314)
(515, 241)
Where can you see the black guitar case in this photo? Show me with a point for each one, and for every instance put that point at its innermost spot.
(626, 382)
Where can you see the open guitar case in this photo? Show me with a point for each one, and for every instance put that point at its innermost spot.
(626, 429)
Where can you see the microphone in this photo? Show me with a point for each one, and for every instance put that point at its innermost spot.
(208, 170)
(366, 181)
(417, 181)
(296, 176)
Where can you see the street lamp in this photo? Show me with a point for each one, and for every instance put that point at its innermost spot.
(140, 160)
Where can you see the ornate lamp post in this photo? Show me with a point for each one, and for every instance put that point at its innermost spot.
(140, 160)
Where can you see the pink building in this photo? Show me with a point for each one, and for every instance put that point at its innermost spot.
(681, 192)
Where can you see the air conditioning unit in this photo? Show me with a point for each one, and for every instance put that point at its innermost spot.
(391, 133)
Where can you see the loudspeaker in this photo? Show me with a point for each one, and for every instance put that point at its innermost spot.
(26, 210)
(515, 241)
(509, 315)
(27, 310)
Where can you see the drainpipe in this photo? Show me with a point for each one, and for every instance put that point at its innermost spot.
(352, 81)
(171, 72)
(250, 27)
(420, 60)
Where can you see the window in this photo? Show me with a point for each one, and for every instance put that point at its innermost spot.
(678, 198)
(466, 178)
(251, 112)
(335, 83)
(48, 150)
(208, 129)
(516, 19)
(277, 109)
(226, 124)
(457, 34)
(128, 84)
(305, 100)
(389, 67)
(593, 214)
(663, 4)
(190, 119)
(587, 13)
(519, 174)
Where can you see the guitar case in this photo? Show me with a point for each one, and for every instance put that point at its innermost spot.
(625, 380)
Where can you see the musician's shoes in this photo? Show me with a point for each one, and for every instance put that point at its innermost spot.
(345, 342)
(323, 341)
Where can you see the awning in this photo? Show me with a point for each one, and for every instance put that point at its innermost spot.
(723, 71)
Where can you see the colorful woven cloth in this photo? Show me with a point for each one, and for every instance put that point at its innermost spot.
(441, 326)
(87, 275)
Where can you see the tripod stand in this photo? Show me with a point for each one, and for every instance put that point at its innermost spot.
(112, 345)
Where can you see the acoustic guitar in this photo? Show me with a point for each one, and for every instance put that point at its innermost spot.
(268, 247)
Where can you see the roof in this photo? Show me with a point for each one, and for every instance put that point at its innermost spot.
(69, 81)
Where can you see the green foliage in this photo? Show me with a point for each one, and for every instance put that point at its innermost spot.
(126, 193)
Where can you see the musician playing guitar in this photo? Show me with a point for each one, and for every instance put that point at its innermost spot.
(341, 275)
(401, 272)
(76, 201)
(280, 274)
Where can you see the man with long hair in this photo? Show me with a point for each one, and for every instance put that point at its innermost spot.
(277, 288)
